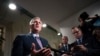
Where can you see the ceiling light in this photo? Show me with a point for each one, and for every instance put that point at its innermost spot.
(44, 25)
(59, 34)
(12, 6)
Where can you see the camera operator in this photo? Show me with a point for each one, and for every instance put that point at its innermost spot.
(87, 23)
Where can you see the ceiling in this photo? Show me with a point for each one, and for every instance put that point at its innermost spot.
(53, 12)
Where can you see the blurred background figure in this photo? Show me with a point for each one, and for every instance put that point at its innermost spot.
(64, 46)
(95, 50)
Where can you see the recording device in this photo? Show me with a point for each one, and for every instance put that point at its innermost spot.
(85, 16)
(89, 23)
(55, 50)
(95, 21)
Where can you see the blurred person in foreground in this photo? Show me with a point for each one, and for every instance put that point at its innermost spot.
(95, 50)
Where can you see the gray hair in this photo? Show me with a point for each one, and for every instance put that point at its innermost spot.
(31, 21)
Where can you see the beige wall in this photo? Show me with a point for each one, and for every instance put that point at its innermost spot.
(51, 36)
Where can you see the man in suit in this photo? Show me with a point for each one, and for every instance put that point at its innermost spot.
(82, 43)
(64, 46)
(31, 44)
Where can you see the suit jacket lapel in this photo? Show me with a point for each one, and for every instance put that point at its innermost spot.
(33, 40)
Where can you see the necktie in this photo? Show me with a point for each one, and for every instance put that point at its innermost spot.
(79, 41)
(39, 42)
(66, 47)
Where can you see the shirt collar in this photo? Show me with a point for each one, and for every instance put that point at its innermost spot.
(35, 35)
(65, 44)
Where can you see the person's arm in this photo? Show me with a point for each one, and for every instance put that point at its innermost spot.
(17, 49)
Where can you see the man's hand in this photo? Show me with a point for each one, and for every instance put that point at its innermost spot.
(82, 48)
(79, 48)
(41, 52)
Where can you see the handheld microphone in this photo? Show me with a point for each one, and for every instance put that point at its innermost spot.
(55, 50)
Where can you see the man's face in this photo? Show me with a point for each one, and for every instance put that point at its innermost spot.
(77, 32)
(64, 40)
(97, 32)
(36, 25)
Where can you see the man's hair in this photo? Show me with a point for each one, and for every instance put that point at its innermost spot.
(30, 23)
(77, 27)
(65, 37)
(83, 16)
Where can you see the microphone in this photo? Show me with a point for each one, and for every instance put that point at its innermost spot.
(55, 50)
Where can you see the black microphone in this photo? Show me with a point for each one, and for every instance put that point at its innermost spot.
(55, 50)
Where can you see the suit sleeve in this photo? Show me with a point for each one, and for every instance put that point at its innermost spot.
(17, 49)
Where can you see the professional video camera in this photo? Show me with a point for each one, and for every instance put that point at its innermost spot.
(94, 21)
(87, 23)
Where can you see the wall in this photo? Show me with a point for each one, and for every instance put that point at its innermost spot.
(6, 48)
(66, 25)
(51, 36)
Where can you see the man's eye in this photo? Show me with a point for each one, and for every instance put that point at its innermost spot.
(39, 22)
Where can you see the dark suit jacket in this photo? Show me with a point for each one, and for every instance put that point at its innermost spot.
(94, 50)
(86, 41)
(64, 49)
(23, 43)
